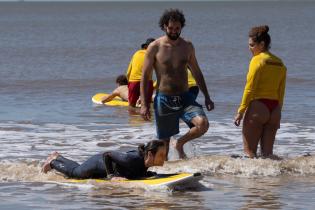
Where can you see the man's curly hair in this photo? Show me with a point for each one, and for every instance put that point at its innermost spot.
(172, 15)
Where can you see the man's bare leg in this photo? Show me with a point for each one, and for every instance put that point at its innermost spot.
(256, 116)
(269, 133)
(46, 167)
(201, 126)
(167, 146)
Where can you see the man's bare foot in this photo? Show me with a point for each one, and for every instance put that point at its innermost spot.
(180, 150)
(46, 167)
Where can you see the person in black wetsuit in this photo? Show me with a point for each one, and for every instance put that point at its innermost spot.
(131, 165)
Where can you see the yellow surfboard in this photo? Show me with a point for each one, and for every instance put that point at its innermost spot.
(168, 180)
(117, 101)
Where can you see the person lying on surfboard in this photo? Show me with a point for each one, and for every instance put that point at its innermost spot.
(112, 165)
(121, 90)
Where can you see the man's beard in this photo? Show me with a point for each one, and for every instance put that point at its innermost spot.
(173, 37)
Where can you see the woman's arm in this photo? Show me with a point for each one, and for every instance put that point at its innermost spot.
(282, 89)
(251, 85)
(117, 158)
(108, 165)
(249, 90)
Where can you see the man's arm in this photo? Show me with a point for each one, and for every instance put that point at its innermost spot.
(146, 76)
(196, 72)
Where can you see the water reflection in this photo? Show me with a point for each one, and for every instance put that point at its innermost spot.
(261, 193)
(137, 198)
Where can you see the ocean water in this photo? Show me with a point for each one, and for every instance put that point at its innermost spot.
(55, 56)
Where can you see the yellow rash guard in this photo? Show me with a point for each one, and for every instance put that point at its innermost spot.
(266, 79)
(191, 80)
(134, 71)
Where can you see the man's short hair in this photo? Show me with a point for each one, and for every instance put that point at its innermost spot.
(122, 80)
(172, 15)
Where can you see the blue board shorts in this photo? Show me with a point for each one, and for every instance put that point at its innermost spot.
(168, 109)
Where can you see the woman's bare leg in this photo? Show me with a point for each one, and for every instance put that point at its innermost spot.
(269, 132)
(256, 116)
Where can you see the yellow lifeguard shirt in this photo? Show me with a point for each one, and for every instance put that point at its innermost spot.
(191, 80)
(266, 78)
(134, 71)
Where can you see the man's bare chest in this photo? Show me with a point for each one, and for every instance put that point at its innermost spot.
(172, 56)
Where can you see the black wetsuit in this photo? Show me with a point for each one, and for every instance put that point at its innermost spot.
(123, 164)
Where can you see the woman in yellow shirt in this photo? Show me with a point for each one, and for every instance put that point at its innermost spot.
(263, 95)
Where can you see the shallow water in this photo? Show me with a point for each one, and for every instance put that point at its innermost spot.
(55, 56)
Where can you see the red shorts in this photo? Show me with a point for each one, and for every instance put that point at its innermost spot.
(134, 92)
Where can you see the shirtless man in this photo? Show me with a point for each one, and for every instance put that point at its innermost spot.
(170, 55)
